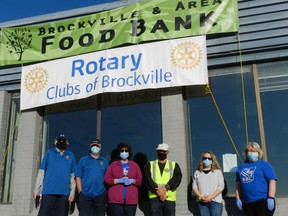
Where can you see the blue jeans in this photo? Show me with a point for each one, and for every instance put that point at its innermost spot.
(210, 209)
(159, 208)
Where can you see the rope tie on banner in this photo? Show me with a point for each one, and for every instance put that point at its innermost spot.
(10, 141)
(208, 91)
(243, 87)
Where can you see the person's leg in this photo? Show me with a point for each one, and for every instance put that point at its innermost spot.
(85, 205)
(261, 208)
(156, 207)
(99, 205)
(61, 205)
(249, 208)
(131, 210)
(204, 209)
(216, 209)
(169, 208)
(116, 209)
(47, 205)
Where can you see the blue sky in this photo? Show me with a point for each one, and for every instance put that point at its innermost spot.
(18, 9)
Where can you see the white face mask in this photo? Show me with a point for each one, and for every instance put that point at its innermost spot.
(252, 156)
(95, 149)
(124, 155)
(207, 162)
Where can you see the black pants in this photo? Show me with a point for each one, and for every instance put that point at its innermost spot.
(258, 208)
(53, 205)
(92, 206)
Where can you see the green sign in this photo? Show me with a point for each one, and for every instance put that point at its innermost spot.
(132, 24)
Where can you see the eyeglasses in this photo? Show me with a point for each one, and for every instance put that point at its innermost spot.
(124, 150)
(205, 158)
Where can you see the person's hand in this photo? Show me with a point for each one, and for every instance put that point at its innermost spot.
(239, 203)
(270, 203)
(163, 197)
(71, 198)
(121, 180)
(161, 191)
(128, 181)
(207, 199)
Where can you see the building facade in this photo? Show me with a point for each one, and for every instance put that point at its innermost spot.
(245, 101)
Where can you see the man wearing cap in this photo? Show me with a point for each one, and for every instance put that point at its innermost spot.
(56, 179)
(162, 179)
(90, 182)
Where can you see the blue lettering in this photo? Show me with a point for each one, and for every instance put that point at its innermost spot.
(48, 93)
(92, 69)
(77, 66)
(105, 81)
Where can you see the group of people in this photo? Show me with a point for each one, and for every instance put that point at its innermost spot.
(99, 183)
(255, 184)
(114, 188)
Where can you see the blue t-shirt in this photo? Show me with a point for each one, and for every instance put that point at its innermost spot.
(254, 178)
(125, 167)
(58, 169)
(91, 171)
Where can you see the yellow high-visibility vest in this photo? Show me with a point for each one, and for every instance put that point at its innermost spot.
(164, 179)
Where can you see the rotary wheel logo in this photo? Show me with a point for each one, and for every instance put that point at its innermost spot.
(36, 80)
(186, 55)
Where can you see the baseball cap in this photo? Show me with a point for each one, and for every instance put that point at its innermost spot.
(95, 142)
(163, 146)
(61, 138)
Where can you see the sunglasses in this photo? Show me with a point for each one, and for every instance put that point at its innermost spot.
(124, 150)
(205, 158)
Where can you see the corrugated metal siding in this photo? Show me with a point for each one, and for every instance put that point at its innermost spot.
(262, 37)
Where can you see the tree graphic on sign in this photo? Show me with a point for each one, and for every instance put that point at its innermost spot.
(19, 41)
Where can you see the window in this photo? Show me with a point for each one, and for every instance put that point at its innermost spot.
(205, 125)
(9, 154)
(132, 117)
(273, 83)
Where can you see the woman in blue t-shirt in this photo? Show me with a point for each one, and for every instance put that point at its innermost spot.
(255, 184)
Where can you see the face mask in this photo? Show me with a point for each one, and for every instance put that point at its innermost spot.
(124, 155)
(207, 162)
(95, 149)
(162, 156)
(252, 156)
(61, 145)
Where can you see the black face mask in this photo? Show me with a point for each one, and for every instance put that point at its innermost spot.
(161, 156)
(61, 145)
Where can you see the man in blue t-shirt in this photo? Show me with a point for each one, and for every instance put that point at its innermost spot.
(56, 179)
(90, 182)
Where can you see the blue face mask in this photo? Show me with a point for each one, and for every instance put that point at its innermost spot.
(95, 149)
(207, 162)
(252, 156)
(124, 155)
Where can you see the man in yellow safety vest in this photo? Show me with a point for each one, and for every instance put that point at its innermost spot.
(162, 179)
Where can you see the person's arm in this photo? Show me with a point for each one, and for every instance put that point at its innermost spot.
(238, 190)
(272, 188)
(150, 184)
(195, 189)
(138, 177)
(72, 188)
(175, 181)
(39, 183)
(78, 184)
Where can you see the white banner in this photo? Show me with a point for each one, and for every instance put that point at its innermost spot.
(169, 63)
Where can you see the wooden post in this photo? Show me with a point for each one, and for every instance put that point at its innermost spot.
(259, 111)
